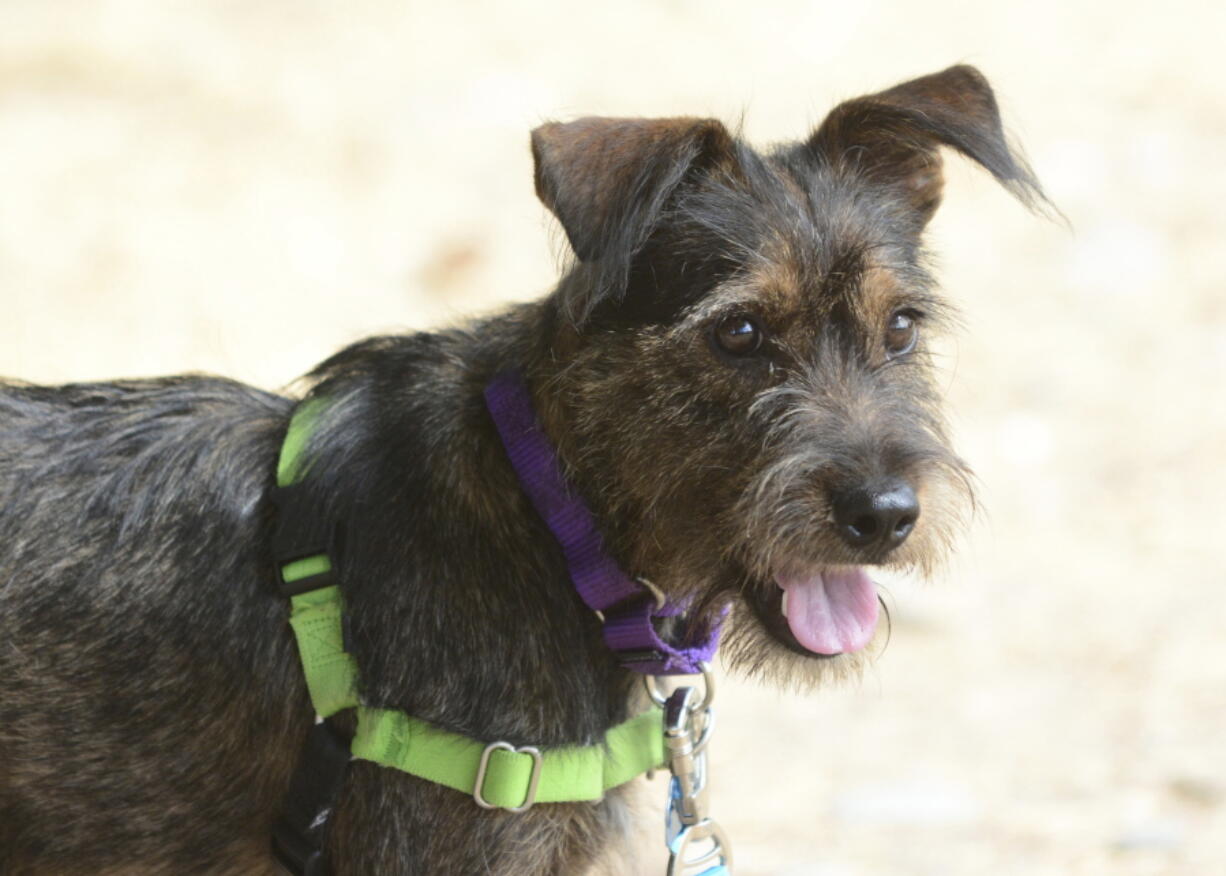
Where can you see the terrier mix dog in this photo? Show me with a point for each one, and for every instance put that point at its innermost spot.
(735, 375)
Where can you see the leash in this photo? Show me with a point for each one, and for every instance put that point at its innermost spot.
(496, 774)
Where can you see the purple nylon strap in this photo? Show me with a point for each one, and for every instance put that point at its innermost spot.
(628, 607)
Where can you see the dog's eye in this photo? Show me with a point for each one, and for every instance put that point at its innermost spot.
(738, 335)
(901, 333)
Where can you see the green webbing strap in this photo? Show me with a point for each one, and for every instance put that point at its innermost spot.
(583, 772)
(331, 673)
(290, 468)
(393, 739)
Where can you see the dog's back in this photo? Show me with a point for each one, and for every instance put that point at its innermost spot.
(125, 508)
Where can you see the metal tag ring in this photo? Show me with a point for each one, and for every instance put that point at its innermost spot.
(708, 688)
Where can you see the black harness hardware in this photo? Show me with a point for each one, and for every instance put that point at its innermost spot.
(298, 835)
(300, 532)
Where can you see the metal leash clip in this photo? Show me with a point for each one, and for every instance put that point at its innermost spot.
(694, 839)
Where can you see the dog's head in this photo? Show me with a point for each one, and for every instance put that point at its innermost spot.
(744, 387)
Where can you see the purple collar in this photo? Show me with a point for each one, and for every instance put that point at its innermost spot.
(626, 606)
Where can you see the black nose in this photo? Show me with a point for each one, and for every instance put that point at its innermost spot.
(880, 516)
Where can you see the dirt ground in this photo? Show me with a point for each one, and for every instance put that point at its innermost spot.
(242, 187)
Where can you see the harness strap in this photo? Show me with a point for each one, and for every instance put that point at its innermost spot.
(496, 774)
(297, 836)
(317, 617)
(508, 778)
(394, 739)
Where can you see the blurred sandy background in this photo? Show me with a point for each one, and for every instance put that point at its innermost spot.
(242, 187)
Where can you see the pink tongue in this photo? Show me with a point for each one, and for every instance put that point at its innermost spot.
(831, 612)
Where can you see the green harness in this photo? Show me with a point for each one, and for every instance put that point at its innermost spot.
(496, 774)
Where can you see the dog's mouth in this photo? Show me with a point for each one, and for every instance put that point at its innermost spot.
(820, 613)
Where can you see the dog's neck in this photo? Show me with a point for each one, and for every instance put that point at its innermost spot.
(460, 606)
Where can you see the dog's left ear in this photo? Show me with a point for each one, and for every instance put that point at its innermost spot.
(607, 181)
(891, 138)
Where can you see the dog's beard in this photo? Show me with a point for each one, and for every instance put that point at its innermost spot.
(807, 611)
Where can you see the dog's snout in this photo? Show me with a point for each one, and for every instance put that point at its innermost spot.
(878, 516)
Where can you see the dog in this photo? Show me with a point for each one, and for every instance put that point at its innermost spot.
(734, 375)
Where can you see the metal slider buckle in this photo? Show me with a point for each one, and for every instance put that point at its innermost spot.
(483, 766)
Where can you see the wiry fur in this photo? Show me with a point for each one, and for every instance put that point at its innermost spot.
(154, 705)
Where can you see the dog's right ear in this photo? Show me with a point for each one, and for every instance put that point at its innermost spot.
(607, 181)
(892, 137)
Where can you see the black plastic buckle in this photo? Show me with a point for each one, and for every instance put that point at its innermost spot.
(297, 856)
(299, 531)
(302, 585)
(298, 835)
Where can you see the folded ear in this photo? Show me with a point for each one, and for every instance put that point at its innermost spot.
(607, 181)
(891, 138)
